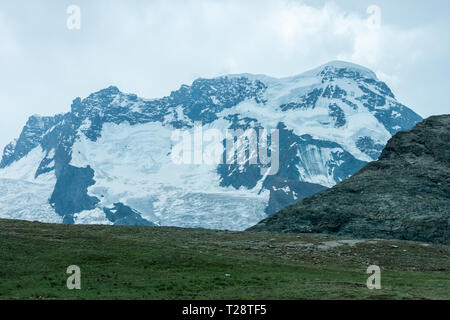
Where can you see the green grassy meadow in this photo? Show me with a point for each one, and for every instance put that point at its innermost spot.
(174, 263)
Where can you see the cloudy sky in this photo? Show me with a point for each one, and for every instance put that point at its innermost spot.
(151, 47)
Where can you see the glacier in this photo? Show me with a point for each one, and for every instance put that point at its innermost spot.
(108, 160)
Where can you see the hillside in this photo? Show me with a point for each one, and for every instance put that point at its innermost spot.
(405, 194)
(122, 262)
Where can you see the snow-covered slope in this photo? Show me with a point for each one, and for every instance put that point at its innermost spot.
(22, 196)
(109, 160)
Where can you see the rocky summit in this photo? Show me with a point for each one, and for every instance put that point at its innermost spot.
(405, 194)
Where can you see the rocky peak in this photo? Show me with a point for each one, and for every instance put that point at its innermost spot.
(426, 143)
(31, 136)
(99, 100)
(341, 69)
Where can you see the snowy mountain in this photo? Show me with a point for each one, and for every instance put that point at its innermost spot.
(109, 161)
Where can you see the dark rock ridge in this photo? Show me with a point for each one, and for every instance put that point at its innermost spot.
(123, 215)
(403, 195)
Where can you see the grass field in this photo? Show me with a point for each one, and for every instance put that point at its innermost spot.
(173, 263)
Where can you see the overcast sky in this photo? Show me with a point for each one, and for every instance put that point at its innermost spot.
(151, 47)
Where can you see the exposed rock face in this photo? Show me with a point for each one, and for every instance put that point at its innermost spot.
(403, 195)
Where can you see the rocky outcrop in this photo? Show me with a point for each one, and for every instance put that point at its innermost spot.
(404, 195)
